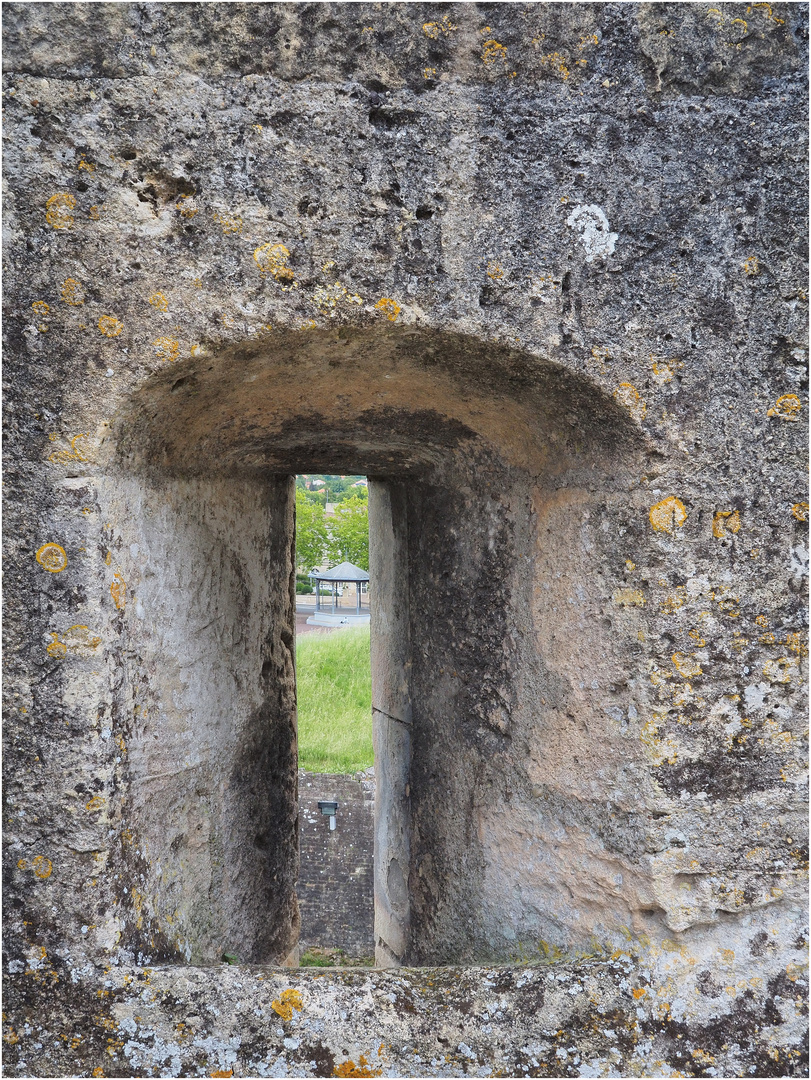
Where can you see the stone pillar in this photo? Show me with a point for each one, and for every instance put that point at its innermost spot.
(391, 709)
(204, 711)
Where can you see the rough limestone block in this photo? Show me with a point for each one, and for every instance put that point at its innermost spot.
(538, 271)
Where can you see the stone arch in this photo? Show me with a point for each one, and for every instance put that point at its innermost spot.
(484, 462)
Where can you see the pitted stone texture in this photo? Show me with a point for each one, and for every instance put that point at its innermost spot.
(644, 1012)
(246, 239)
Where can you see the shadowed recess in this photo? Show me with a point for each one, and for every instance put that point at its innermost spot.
(390, 401)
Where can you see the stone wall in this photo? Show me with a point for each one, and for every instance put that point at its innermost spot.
(539, 272)
(335, 887)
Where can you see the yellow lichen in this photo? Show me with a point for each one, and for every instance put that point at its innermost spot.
(41, 307)
(668, 515)
(159, 301)
(56, 647)
(42, 867)
(350, 1069)
(664, 368)
(271, 259)
(628, 396)
(495, 271)
(166, 348)
(228, 224)
(118, 591)
(677, 599)
(628, 597)
(727, 602)
(767, 13)
(75, 639)
(63, 457)
(72, 292)
(186, 206)
(540, 284)
(53, 558)
(725, 521)
(326, 297)
(686, 664)
(787, 407)
(288, 1000)
(558, 63)
(434, 29)
(703, 1057)
(110, 326)
(795, 643)
(600, 356)
(780, 670)
(222, 1072)
(96, 803)
(660, 750)
(57, 210)
(492, 52)
(800, 511)
(390, 308)
(751, 266)
(93, 213)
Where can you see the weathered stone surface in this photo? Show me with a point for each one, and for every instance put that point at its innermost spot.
(648, 1015)
(540, 272)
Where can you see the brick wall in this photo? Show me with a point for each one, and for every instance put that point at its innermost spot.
(335, 888)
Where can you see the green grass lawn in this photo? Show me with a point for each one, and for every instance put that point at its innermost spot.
(334, 688)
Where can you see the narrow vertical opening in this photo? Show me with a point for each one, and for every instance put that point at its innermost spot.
(334, 707)
(491, 475)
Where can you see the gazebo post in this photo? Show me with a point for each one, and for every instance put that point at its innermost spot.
(347, 575)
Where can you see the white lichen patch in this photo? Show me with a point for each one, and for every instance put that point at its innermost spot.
(595, 232)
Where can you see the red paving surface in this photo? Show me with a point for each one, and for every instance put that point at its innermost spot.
(303, 628)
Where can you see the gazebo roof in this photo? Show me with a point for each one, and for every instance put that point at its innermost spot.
(345, 571)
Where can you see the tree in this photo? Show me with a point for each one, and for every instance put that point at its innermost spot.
(311, 532)
(351, 492)
(349, 533)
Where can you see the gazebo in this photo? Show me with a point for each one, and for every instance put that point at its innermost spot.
(344, 573)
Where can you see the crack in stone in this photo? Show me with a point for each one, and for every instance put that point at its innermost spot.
(397, 719)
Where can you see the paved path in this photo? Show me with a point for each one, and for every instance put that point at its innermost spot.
(303, 628)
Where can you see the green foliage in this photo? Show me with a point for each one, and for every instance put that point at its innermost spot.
(311, 532)
(315, 957)
(334, 690)
(349, 533)
(350, 493)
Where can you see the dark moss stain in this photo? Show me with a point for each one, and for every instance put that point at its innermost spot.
(746, 1024)
(723, 775)
(322, 1056)
(74, 1010)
